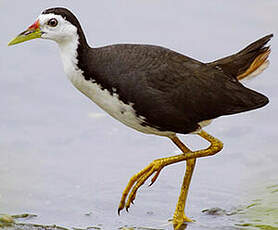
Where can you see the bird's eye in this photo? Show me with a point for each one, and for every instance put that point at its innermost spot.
(52, 22)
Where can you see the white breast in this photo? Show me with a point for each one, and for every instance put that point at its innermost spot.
(102, 97)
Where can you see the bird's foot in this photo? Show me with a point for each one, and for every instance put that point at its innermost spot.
(179, 222)
(138, 180)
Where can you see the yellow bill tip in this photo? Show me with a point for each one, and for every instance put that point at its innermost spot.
(12, 42)
(25, 36)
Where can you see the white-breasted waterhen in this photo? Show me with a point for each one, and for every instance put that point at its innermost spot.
(155, 90)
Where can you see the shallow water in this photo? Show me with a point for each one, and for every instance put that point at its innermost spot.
(65, 160)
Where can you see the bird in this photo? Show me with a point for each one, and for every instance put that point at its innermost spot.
(155, 90)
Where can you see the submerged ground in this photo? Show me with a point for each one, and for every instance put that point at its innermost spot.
(67, 162)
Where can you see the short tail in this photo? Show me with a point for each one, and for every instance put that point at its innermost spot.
(247, 63)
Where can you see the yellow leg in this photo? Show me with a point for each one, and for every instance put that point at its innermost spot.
(144, 174)
(138, 179)
(179, 215)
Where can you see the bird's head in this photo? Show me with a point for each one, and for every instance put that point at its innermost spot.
(57, 24)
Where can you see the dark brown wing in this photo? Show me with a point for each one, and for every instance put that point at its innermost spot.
(171, 91)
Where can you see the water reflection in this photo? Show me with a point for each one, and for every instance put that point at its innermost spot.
(262, 212)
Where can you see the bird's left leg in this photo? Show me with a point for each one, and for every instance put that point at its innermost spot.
(179, 215)
(215, 146)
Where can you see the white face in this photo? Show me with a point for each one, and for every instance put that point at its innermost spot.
(55, 27)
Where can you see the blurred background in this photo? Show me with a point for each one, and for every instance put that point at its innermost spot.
(64, 159)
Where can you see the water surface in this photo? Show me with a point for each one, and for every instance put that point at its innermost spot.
(65, 160)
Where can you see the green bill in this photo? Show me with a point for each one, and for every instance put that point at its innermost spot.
(26, 36)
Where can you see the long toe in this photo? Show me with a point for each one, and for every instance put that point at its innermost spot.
(180, 223)
(138, 180)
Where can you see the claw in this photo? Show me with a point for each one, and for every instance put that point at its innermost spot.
(139, 183)
(130, 184)
(140, 178)
(121, 207)
(155, 177)
(132, 201)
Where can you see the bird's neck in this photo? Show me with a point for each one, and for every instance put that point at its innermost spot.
(72, 51)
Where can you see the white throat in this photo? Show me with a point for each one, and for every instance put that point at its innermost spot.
(68, 52)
